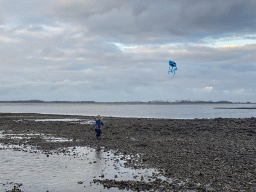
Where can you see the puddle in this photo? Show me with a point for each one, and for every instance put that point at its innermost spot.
(81, 121)
(55, 120)
(88, 122)
(17, 137)
(62, 172)
(62, 169)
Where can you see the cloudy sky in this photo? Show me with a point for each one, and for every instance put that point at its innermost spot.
(118, 50)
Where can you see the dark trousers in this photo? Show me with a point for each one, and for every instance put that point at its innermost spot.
(98, 132)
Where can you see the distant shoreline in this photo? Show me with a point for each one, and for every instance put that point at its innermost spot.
(127, 103)
(235, 108)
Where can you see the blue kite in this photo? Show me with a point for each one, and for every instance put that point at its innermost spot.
(172, 67)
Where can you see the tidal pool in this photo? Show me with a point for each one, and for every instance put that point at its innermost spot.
(73, 170)
(81, 121)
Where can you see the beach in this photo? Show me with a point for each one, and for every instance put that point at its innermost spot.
(218, 153)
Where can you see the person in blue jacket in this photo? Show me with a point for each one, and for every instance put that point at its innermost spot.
(98, 123)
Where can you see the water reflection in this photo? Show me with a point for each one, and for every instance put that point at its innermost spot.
(98, 152)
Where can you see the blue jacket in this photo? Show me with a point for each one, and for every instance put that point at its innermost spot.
(98, 123)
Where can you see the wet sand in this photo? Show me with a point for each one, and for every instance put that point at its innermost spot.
(219, 152)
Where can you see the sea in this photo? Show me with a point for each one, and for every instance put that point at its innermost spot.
(178, 111)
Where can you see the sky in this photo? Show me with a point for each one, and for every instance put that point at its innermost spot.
(119, 50)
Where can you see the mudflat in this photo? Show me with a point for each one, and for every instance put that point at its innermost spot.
(218, 153)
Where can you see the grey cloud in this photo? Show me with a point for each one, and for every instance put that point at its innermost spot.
(127, 21)
(145, 21)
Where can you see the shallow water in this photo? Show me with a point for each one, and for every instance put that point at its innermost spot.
(17, 137)
(60, 172)
(81, 121)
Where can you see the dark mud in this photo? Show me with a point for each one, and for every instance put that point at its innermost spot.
(219, 152)
(157, 185)
(15, 187)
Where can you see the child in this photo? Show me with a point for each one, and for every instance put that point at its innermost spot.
(98, 123)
